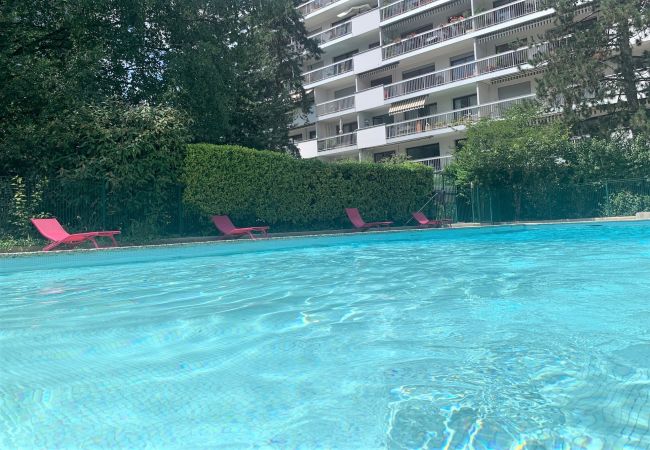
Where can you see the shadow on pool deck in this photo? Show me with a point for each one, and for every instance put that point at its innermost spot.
(217, 238)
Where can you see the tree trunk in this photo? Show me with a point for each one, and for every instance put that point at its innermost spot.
(626, 68)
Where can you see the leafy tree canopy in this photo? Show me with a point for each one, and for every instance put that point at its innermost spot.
(597, 66)
(229, 67)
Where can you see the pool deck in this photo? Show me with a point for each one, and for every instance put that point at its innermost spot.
(216, 239)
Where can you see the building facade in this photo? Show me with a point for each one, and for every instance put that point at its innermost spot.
(406, 77)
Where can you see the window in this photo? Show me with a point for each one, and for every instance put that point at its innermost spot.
(347, 128)
(295, 138)
(417, 31)
(419, 71)
(312, 134)
(465, 102)
(383, 119)
(514, 45)
(514, 90)
(344, 92)
(424, 151)
(374, 45)
(345, 56)
(381, 81)
(427, 110)
(381, 156)
(499, 3)
(465, 70)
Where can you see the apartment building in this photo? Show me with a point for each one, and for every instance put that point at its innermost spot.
(407, 77)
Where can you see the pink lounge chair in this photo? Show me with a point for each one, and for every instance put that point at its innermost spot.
(51, 229)
(357, 220)
(425, 222)
(224, 225)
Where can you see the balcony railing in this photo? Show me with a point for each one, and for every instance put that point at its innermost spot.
(401, 7)
(334, 106)
(338, 141)
(476, 68)
(329, 71)
(314, 5)
(453, 118)
(452, 30)
(333, 33)
(439, 163)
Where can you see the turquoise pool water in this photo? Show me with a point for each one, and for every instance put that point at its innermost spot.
(500, 338)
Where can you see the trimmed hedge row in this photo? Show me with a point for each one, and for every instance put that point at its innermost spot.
(288, 193)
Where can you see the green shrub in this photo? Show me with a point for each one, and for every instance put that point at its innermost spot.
(626, 203)
(288, 193)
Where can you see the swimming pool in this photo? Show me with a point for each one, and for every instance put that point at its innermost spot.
(479, 338)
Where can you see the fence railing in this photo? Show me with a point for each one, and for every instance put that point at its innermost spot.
(330, 71)
(339, 141)
(461, 27)
(439, 163)
(333, 33)
(334, 106)
(511, 59)
(457, 117)
(400, 7)
(314, 5)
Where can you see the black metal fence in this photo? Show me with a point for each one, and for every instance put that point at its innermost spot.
(151, 212)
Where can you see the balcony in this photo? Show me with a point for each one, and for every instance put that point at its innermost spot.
(337, 142)
(335, 106)
(314, 5)
(333, 33)
(485, 66)
(400, 7)
(462, 27)
(456, 118)
(330, 71)
(439, 163)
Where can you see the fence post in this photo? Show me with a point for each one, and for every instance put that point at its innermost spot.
(471, 201)
(180, 210)
(103, 205)
(607, 208)
(491, 215)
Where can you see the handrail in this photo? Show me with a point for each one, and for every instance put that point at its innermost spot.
(461, 27)
(457, 116)
(332, 70)
(337, 141)
(314, 5)
(472, 69)
(400, 7)
(333, 33)
(336, 105)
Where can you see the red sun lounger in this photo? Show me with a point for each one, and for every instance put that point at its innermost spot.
(224, 225)
(357, 220)
(425, 222)
(51, 229)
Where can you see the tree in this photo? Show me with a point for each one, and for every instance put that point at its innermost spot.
(595, 59)
(229, 67)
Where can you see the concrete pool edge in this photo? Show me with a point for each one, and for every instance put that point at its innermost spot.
(214, 240)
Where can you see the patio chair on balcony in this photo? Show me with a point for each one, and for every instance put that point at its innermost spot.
(52, 230)
(358, 222)
(225, 225)
(424, 221)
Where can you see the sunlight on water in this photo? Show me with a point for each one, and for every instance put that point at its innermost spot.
(503, 338)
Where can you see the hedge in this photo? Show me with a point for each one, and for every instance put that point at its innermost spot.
(253, 186)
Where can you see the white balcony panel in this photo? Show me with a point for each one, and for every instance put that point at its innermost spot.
(370, 98)
(308, 149)
(370, 60)
(365, 23)
(371, 137)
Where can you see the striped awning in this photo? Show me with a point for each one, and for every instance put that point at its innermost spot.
(407, 105)
(514, 30)
(379, 69)
(429, 12)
